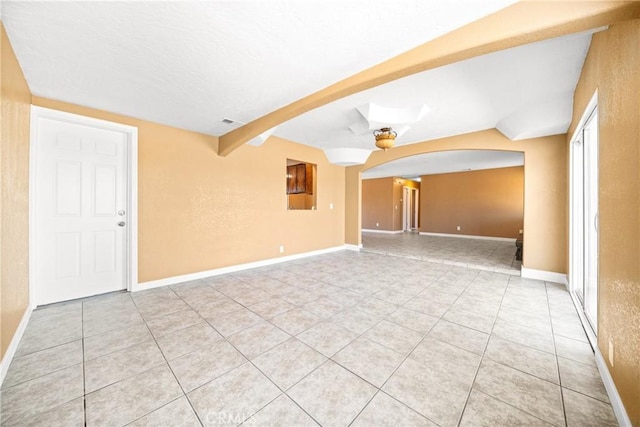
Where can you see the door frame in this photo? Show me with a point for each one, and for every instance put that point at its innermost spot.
(574, 252)
(131, 234)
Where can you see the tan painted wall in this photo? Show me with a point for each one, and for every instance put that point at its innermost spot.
(545, 189)
(483, 203)
(613, 68)
(198, 211)
(377, 201)
(14, 203)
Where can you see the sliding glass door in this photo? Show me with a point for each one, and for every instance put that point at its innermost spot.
(584, 217)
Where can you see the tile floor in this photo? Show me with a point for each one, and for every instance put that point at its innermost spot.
(347, 338)
(488, 255)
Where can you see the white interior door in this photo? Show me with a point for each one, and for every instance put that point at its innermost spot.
(81, 210)
(406, 209)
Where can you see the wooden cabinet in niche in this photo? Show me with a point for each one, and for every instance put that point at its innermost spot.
(300, 179)
(301, 185)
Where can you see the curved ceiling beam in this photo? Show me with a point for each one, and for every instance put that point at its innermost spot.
(519, 24)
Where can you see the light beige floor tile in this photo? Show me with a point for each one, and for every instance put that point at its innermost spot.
(327, 338)
(176, 413)
(218, 307)
(460, 336)
(116, 366)
(526, 392)
(527, 359)
(470, 319)
(118, 339)
(570, 328)
(385, 411)
(393, 296)
(540, 321)
(229, 324)
(369, 360)
(427, 306)
(376, 307)
(295, 321)
(55, 330)
(128, 400)
(271, 307)
(289, 362)
(483, 410)
(332, 395)
(575, 350)
(455, 362)
(70, 414)
(584, 411)
(395, 337)
(234, 397)
(169, 323)
(355, 320)
(530, 337)
(323, 307)
(205, 364)
(153, 306)
(28, 399)
(186, 340)
(257, 339)
(433, 394)
(300, 296)
(346, 297)
(43, 362)
(582, 378)
(414, 320)
(282, 412)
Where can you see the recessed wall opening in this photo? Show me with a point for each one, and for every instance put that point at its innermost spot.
(463, 206)
(301, 185)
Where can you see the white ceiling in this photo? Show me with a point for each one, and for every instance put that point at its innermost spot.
(191, 64)
(445, 162)
(525, 91)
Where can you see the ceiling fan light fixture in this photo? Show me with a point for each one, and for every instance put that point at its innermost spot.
(385, 138)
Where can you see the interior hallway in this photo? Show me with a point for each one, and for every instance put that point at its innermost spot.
(347, 338)
(489, 255)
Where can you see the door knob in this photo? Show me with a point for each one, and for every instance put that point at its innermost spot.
(121, 224)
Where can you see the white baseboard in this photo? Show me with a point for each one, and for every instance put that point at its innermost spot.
(351, 247)
(547, 276)
(614, 397)
(231, 269)
(368, 230)
(469, 236)
(13, 346)
(612, 391)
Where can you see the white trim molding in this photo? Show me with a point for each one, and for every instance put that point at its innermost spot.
(368, 230)
(231, 269)
(13, 345)
(469, 236)
(350, 247)
(614, 397)
(547, 276)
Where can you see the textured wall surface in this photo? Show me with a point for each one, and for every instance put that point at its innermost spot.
(14, 174)
(545, 189)
(377, 204)
(198, 211)
(483, 203)
(612, 67)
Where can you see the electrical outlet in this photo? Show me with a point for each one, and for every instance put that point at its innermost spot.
(377, 224)
(520, 232)
(458, 228)
(330, 205)
(281, 249)
(611, 353)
